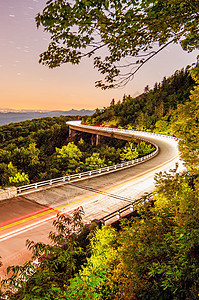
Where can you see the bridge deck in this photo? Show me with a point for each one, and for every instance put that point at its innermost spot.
(36, 210)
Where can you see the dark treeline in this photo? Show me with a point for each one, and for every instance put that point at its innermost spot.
(152, 110)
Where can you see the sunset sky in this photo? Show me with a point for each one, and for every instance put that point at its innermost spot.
(25, 84)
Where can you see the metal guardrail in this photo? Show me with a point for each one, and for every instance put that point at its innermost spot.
(118, 214)
(74, 177)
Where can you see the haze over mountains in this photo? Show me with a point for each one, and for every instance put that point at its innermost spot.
(12, 116)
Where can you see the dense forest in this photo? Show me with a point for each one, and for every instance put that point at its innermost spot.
(41, 149)
(26, 148)
(152, 110)
(151, 255)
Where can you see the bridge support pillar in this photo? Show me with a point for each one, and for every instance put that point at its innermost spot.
(97, 139)
(72, 132)
(92, 139)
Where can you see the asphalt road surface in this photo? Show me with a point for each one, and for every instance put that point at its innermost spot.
(30, 216)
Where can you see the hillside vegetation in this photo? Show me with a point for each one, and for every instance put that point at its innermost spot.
(152, 110)
(26, 149)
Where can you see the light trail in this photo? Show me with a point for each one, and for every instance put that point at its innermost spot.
(27, 219)
(24, 229)
(22, 219)
(2, 224)
(60, 208)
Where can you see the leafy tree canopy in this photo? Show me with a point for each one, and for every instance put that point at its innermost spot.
(132, 32)
(19, 179)
(129, 152)
(68, 157)
(94, 162)
(69, 152)
(186, 125)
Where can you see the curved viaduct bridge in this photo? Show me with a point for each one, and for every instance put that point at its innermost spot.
(168, 146)
(30, 214)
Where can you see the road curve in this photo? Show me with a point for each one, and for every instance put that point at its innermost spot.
(30, 216)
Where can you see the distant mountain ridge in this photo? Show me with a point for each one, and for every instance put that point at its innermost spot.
(11, 116)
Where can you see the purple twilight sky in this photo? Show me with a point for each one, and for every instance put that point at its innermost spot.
(25, 84)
